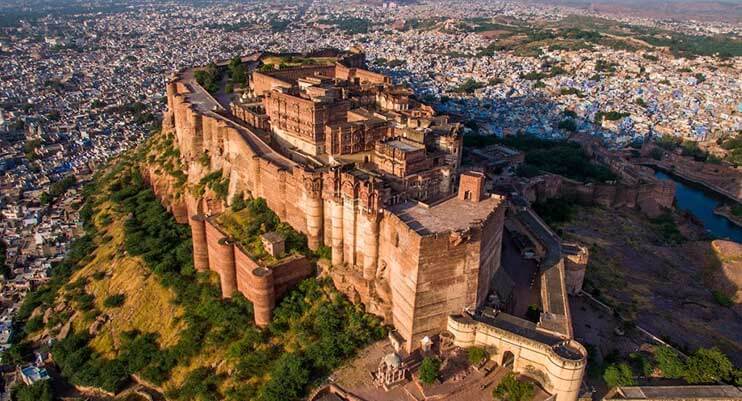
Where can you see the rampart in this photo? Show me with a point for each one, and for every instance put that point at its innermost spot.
(391, 261)
(262, 284)
(558, 365)
(651, 197)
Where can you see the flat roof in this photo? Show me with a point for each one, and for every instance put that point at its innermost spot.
(724, 392)
(450, 215)
(405, 146)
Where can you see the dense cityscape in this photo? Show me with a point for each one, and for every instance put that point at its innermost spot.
(81, 86)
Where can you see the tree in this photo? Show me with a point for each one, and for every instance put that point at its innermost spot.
(618, 375)
(510, 389)
(114, 301)
(237, 71)
(476, 355)
(707, 365)
(289, 376)
(429, 369)
(669, 362)
(39, 391)
(238, 202)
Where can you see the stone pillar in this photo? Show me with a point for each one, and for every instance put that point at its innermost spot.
(337, 232)
(226, 267)
(200, 248)
(349, 231)
(263, 295)
(370, 246)
(314, 221)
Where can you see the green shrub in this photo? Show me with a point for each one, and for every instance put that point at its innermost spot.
(669, 362)
(238, 202)
(469, 86)
(476, 355)
(667, 229)
(555, 211)
(708, 365)
(324, 252)
(568, 124)
(722, 299)
(640, 363)
(656, 154)
(204, 159)
(113, 301)
(34, 325)
(429, 369)
(39, 391)
(511, 389)
(618, 375)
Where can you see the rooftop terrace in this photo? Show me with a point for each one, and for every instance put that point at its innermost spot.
(450, 215)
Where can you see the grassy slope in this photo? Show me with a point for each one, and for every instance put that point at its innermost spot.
(148, 306)
(145, 297)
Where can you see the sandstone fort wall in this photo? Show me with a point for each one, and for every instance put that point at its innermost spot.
(420, 278)
(650, 197)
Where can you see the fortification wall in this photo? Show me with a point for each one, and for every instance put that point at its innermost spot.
(559, 368)
(221, 258)
(436, 275)
(649, 197)
(348, 74)
(372, 250)
(262, 285)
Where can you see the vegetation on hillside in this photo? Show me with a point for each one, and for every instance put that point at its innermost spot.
(163, 154)
(525, 38)
(691, 148)
(557, 157)
(667, 229)
(733, 146)
(350, 25)
(39, 391)
(468, 86)
(555, 211)
(314, 328)
(209, 77)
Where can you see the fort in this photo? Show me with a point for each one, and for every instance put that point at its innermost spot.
(372, 175)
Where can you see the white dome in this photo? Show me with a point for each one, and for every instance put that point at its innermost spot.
(392, 360)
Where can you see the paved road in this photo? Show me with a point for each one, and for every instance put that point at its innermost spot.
(522, 271)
